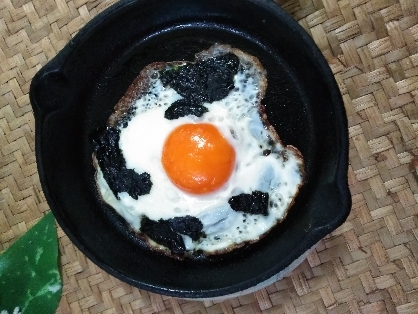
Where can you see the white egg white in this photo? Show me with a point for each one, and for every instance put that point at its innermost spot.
(238, 119)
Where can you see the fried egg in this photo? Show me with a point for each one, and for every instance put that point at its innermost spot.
(203, 166)
(197, 164)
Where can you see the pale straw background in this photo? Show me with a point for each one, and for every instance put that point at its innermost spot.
(368, 265)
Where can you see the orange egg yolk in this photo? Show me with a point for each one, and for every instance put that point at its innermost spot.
(197, 158)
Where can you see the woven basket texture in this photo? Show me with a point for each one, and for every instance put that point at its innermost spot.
(368, 265)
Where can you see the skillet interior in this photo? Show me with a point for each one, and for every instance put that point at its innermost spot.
(75, 93)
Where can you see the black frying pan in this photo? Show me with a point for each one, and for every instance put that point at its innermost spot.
(75, 93)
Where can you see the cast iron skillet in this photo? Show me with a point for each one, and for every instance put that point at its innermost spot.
(75, 92)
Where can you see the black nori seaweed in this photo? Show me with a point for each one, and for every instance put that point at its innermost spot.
(187, 225)
(255, 203)
(105, 143)
(161, 232)
(167, 232)
(204, 81)
(184, 107)
(129, 114)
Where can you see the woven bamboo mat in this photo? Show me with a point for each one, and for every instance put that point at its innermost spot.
(368, 265)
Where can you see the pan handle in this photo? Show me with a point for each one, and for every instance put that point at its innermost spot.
(328, 198)
(49, 87)
(48, 92)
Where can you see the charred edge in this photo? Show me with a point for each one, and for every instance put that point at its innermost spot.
(105, 143)
(183, 107)
(255, 203)
(204, 81)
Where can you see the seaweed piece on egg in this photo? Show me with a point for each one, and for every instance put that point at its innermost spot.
(183, 107)
(204, 81)
(255, 203)
(105, 143)
(187, 225)
(160, 231)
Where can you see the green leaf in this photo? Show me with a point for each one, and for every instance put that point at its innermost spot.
(29, 276)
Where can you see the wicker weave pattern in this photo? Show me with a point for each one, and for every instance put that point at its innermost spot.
(368, 265)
